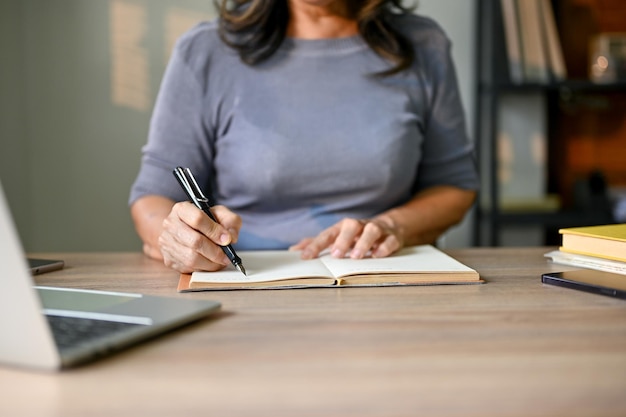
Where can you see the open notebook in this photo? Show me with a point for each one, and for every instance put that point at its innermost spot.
(52, 328)
(417, 265)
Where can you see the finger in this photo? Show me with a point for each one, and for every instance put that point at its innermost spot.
(350, 230)
(377, 238)
(320, 242)
(187, 258)
(371, 234)
(198, 220)
(388, 246)
(183, 246)
(228, 220)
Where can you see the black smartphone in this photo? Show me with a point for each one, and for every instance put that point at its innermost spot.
(39, 266)
(589, 280)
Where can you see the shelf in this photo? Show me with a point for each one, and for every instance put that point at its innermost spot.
(553, 220)
(575, 110)
(568, 85)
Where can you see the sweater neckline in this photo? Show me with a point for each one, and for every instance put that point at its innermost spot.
(328, 46)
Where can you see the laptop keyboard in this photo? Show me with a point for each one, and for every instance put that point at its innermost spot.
(72, 331)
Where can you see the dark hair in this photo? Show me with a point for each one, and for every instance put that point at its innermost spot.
(256, 29)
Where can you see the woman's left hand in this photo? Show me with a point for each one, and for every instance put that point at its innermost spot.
(355, 238)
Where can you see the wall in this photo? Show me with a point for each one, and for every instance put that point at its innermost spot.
(13, 149)
(76, 102)
(458, 19)
(76, 139)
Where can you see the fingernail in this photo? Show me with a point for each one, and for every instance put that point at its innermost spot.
(224, 239)
(337, 253)
(307, 254)
(356, 254)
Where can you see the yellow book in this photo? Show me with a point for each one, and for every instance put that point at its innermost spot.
(416, 265)
(606, 241)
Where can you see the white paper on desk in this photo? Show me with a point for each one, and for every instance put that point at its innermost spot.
(415, 259)
(268, 266)
(263, 266)
(590, 262)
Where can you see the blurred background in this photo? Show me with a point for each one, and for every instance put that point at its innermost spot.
(78, 80)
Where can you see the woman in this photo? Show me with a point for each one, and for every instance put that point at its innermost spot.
(318, 124)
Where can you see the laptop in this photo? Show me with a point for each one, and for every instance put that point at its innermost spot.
(54, 328)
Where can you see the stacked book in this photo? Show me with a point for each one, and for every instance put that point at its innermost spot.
(601, 248)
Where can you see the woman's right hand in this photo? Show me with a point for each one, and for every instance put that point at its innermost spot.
(190, 240)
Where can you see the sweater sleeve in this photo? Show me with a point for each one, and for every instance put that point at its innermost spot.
(178, 135)
(448, 154)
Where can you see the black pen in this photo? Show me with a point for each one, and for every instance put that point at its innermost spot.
(192, 189)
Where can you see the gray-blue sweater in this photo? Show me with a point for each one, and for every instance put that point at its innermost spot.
(308, 137)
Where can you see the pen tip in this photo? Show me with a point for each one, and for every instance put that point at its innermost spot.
(242, 269)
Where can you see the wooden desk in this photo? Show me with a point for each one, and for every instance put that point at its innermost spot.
(511, 347)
